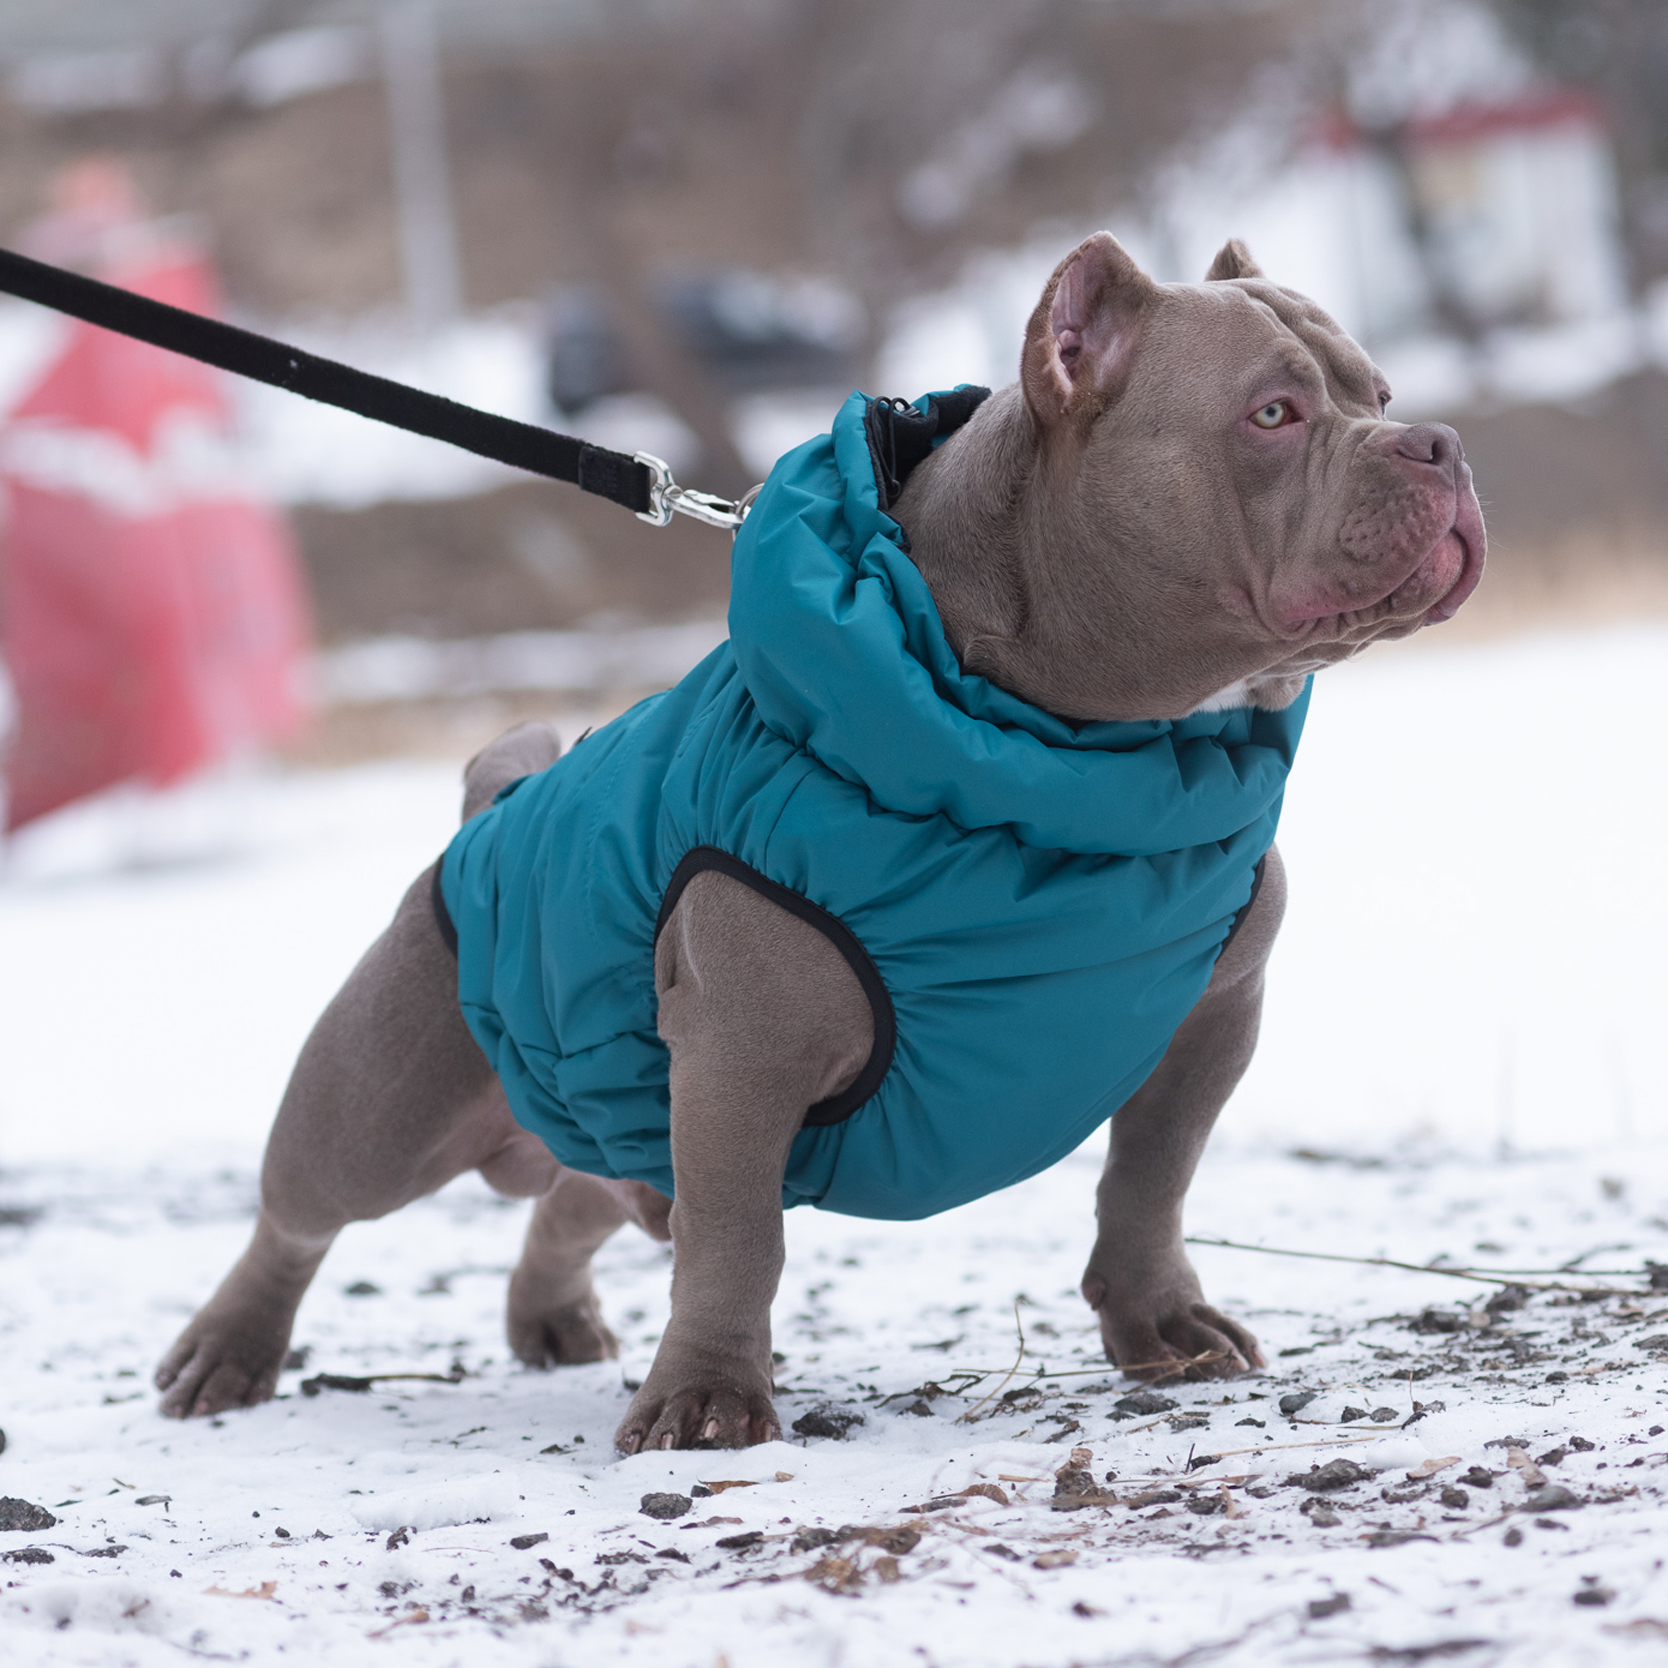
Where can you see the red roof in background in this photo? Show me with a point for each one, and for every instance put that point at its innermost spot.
(1542, 108)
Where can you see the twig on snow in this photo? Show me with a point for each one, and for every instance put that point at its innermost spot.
(1164, 1370)
(966, 1416)
(1329, 1442)
(344, 1381)
(1537, 1279)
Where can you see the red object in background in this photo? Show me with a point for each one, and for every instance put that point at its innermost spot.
(152, 612)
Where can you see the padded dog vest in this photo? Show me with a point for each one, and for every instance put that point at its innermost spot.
(1032, 906)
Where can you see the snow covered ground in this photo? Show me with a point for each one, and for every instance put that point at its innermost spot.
(1463, 1058)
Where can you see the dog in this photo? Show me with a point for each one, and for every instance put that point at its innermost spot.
(962, 845)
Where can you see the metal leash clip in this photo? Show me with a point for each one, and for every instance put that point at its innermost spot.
(667, 498)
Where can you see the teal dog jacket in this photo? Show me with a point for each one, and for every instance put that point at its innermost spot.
(1032, 906)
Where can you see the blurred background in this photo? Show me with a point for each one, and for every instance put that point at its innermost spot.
(690, 227)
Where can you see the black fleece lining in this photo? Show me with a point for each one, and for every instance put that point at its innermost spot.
(837, 1108)
(900, 437)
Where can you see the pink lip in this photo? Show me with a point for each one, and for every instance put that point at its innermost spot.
(1468, 530)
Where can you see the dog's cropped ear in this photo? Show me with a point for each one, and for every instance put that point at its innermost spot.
(1082, 335)
(1233, 260)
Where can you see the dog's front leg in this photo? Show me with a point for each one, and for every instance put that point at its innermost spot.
(763, 1019)
(1139, 1279)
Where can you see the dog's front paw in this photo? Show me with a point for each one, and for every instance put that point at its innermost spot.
(699, 1402)
(1156, 1325)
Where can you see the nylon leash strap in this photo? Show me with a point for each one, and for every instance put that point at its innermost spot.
(638, 482)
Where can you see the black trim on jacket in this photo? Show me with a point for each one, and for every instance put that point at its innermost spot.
(837, 1108)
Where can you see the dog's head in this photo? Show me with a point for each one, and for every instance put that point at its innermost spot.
(1214, 495)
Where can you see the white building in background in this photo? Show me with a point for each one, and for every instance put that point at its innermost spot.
(1522, 204)
(1517, 202)
(1478, 256)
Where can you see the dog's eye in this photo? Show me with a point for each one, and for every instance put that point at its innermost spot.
(1274, 415)
(1383, 400)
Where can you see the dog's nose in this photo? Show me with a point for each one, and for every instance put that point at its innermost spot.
(1432, 443)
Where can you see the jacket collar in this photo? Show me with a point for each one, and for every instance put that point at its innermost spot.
(840, 645)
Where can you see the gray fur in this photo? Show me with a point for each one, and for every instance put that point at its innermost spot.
(1111, 537)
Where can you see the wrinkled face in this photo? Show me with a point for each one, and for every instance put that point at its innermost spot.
(1326, 525)
(1235, 441)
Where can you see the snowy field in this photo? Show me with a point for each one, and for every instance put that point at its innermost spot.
(1464, 1060)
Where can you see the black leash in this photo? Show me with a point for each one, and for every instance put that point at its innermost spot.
(639, 482)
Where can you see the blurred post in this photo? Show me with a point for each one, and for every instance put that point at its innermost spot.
(416, 113)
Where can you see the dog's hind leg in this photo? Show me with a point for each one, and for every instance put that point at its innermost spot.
(389, 1100)
(518, 752)
(553, 1317)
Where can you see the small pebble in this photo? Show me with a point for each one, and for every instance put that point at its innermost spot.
(808, 1540)
(1321, 1608)
(1438, 1320)
(24, 1514)
(826, 1421)
(1455, 1499)
(1338, 1473)
(665, 1506)
(895, 1540)
(522, 1542)
(1145, 1403)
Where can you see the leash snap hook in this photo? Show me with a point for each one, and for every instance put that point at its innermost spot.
(667, 498)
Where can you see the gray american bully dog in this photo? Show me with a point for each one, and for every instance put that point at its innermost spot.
(1189, 502)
